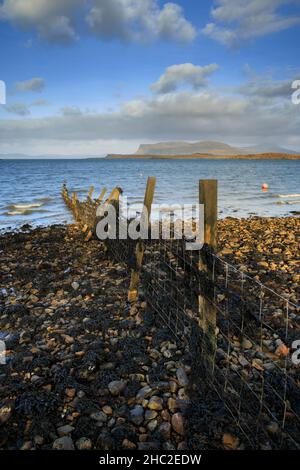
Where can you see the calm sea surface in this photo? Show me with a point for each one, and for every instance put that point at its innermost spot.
(30, 189)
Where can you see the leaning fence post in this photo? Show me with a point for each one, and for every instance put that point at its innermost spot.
(90, 194)
(101, 196)
(208, 197)
(140, 248)
(74, 206)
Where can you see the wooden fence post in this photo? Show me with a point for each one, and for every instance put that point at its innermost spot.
(101, 196)
(140, 248)
(113, 198)
(208, 196)
(74, 206)
(90, 194)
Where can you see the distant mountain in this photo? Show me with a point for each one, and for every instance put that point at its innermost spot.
(207, 148)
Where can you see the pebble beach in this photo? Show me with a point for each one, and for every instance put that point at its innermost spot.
(87, 371)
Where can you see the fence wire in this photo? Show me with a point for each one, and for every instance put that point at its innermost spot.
(243, 352)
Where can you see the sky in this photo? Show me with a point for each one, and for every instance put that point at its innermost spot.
(90, 77)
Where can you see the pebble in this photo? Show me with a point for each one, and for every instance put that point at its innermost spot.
(38, 440)
(165, 430)
(173, 386)
(99, 416)
(143, 393)
(128, 444)
(246, 344)
(230, 442)
(182, 377)
(172, 404)
(63, 443)
(272, 428)
(75, 285)
(5, 413)
(65, 430)
(152, 425)
(155, 403)
(84, 443)
(178, 423)
(150, 414)
(137, 415)
(107, 410)
(116, 387)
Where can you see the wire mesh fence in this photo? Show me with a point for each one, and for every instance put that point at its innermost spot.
(239, 332)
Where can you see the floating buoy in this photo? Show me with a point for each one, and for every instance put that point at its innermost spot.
(265, 187)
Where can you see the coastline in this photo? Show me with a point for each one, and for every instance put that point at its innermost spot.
(196, 156)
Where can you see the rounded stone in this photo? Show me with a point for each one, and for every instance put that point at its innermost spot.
(116, 387)
(178, 423)
(84, 444)
(155, 403)
(63, 443)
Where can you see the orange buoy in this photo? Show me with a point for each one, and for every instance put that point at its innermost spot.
(265, 187)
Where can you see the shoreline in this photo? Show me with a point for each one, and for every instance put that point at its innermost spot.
(196, 156)
(30, 226)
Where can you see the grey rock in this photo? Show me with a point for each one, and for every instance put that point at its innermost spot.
(182, 377)
(152, 425)
(99, 416)
(65, 430)
(116, 387)
(137, 415)
(148, 446)
(143, 393)
(63, 443)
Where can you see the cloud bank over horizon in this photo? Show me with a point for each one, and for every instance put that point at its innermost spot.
(256, 111)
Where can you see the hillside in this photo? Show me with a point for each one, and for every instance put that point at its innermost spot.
(206, 148)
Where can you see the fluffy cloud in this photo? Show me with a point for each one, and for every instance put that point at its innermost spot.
(236, 20)
(257, 111)
(139, 20)
(34, 84)
(176, 75)
(184, 115)
(55, 20)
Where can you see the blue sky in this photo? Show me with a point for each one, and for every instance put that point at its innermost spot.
(98, 76)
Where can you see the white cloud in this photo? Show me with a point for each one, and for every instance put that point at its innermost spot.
(176, 75)
(236, 20)
(140, 20)
(181, 115)
(52, 19)
(34, 84)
